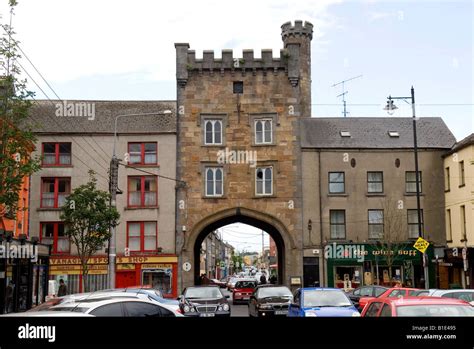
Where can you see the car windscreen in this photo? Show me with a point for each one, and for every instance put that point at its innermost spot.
(266, 292)
(203, 292)
(325, 298)
(245, 284)
(435, 310)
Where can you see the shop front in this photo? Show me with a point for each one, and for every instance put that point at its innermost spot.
(353, 265)
(23, 275)
(160, 272)
(457, 264)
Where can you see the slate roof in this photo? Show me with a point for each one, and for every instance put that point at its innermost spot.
(366, 133)
(463, 143)
(43, 118)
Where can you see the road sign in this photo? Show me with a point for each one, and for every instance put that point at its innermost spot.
(186, 266)
(421, 245)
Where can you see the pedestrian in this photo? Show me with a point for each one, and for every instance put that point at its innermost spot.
(263, 279)
(62, 291)
(9, 297)
(273, 279)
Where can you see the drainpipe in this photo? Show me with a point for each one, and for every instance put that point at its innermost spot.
(323, 276)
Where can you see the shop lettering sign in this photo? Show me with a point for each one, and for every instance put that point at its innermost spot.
(70, 261)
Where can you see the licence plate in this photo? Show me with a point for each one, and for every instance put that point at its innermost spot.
(281, 312)
(207, 315)
(245, 298)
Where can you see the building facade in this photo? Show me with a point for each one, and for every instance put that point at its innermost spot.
(72, 145)
(238, 145)
(456, 269)
(359, 193)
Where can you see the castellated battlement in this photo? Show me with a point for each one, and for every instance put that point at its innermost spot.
(299, 29)
(229, 62)
(294, 59)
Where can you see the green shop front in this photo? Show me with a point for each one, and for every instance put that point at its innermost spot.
(353, 265)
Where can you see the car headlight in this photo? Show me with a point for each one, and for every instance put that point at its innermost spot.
(310, 313)
(192, 310)
(356, 314)
(226, 307)
(238, 294)
(265, 306)
(186, 308)
(219, 308)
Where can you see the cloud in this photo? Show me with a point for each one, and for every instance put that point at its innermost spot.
(68, 40)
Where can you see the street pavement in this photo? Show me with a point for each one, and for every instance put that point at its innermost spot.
(240, 310)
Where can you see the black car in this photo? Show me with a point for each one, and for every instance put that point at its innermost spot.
(365, 291)
(270, 300)
(204, 301)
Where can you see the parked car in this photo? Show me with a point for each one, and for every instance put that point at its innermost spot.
(318, 301)
(424, 293)
(365, 291)
(118, 307)
(417, 307)
(391, 292)
(204, 301)
(242, 291)
(465, 295)
(231, 283)
(141, 293)
(216, 282)
(270, 300)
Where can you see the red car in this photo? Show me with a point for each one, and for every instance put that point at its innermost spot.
(391, 292)
(242, 291)
(417, 307)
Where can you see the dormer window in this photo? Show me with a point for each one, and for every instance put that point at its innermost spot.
(393, 134)
(345, 134)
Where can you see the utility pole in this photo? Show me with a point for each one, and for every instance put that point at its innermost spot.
(113, 185)
(390, 109)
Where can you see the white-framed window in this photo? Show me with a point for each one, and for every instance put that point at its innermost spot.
(375, 224)
(214, 181)
(264, 180)
(263, 131)
(213, 132)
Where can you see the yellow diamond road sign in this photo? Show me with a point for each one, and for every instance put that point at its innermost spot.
(421, 245)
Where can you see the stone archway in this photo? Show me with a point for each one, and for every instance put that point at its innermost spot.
(288, 257)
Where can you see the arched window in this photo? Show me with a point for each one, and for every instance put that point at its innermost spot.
(213, 132)
(264, 181)
(214, 181)
(263, 131)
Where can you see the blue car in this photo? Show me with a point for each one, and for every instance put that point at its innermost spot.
(317, 301)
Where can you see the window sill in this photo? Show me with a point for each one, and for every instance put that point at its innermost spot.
(264, 145)
(213, 145)
(447, 190)
(338, 194)
(48, 209)
(53, 166)
(413, 194)
(462, 185)
(264, 196)
(449, 241)
(141, 208)
(375, 194)
(143, 165)
(204, 197)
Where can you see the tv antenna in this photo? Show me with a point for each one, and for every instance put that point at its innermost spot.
(344, 92)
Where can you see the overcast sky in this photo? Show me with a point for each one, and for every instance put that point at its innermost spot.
(116, 49)
(124, 50)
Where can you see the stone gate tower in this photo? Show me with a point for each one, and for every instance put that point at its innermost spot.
(238, 151)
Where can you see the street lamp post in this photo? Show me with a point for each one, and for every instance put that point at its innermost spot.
(390, 109)
(113, 186)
